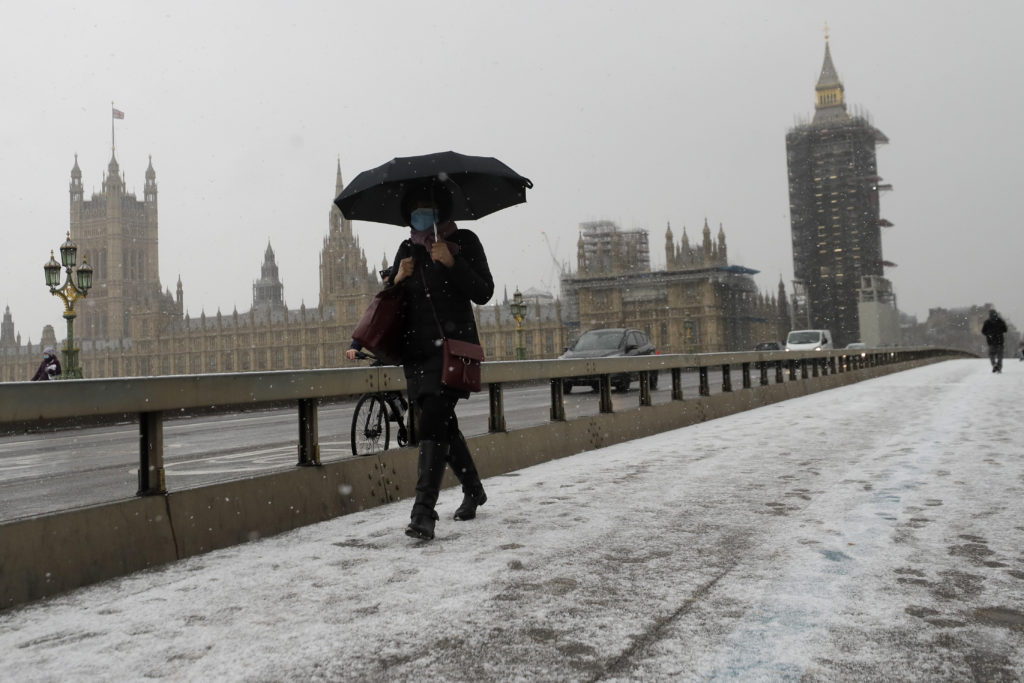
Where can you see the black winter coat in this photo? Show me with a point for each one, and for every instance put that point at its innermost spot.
(452, 293)
(994, 329)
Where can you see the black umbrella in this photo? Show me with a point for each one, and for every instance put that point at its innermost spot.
(478, 185)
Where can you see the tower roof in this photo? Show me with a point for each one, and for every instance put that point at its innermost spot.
(829, 104)
(828, 78)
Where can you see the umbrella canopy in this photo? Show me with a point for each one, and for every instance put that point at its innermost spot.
(478, 186)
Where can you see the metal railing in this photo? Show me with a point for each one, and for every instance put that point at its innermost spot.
(147, 400)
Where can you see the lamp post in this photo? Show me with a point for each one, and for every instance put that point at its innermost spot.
(69, 293)
(518, 309)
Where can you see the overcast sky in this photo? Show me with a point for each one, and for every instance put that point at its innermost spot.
(643, 113)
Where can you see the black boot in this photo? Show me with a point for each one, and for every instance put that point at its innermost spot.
(430, 471)
(465, 470)
(471, 500)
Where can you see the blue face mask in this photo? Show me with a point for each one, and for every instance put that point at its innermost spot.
(423, 219)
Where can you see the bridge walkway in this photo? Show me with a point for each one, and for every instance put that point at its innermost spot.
(870, 532)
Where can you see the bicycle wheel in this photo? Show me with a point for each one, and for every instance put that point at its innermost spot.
(370, 429)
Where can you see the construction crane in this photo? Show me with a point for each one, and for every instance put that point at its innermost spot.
(554, 260)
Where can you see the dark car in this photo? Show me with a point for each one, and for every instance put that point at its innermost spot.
(607, 343)
(768, 346)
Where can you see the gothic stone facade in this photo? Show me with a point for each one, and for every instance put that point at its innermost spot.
(130, 328)
(698, 304)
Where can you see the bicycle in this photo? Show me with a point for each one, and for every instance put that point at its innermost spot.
(374, 413)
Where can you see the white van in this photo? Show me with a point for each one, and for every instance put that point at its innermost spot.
(808, 340)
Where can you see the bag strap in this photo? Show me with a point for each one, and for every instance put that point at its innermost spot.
(430, 301)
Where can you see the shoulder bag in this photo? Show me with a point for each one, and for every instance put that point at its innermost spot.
(380, 329)
(462, 359)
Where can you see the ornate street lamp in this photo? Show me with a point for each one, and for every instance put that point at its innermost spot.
(518, 310)
(69, 293)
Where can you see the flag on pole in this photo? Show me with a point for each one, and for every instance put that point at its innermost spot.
(118, 114)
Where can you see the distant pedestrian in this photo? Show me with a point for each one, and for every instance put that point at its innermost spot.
(994, 329)
(49, 368)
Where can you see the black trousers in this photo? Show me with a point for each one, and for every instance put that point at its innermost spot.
(995, 355)
(439, 423)
(437, 417)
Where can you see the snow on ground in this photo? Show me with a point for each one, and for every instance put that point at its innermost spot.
(872, 532)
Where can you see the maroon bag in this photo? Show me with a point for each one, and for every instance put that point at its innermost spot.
(461, 368)
(380, 329)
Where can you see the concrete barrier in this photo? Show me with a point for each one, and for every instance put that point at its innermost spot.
(48, 555)
(51, 554)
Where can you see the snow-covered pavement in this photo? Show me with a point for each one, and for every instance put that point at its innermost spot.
(872, 532)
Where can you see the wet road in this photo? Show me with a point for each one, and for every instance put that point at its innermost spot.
(50, 471)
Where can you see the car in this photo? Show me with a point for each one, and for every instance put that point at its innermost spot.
(608, 343)
(856, 345)
(809, 340)
(767, 346)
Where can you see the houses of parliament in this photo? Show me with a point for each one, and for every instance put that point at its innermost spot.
(131, 326)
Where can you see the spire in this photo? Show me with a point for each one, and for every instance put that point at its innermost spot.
(112, 183)
(7, 339)
(829, 104)
(828, 78)
(150, 191)
(707, 241)
(76, 186)
(721, 245)
(339, 185)
(268, 291)
(670, 249)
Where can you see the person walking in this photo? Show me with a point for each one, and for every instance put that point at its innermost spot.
(994, 330)
(49, 368)
(443, 270)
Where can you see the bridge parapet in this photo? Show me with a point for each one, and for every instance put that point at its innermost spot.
(137, 534)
